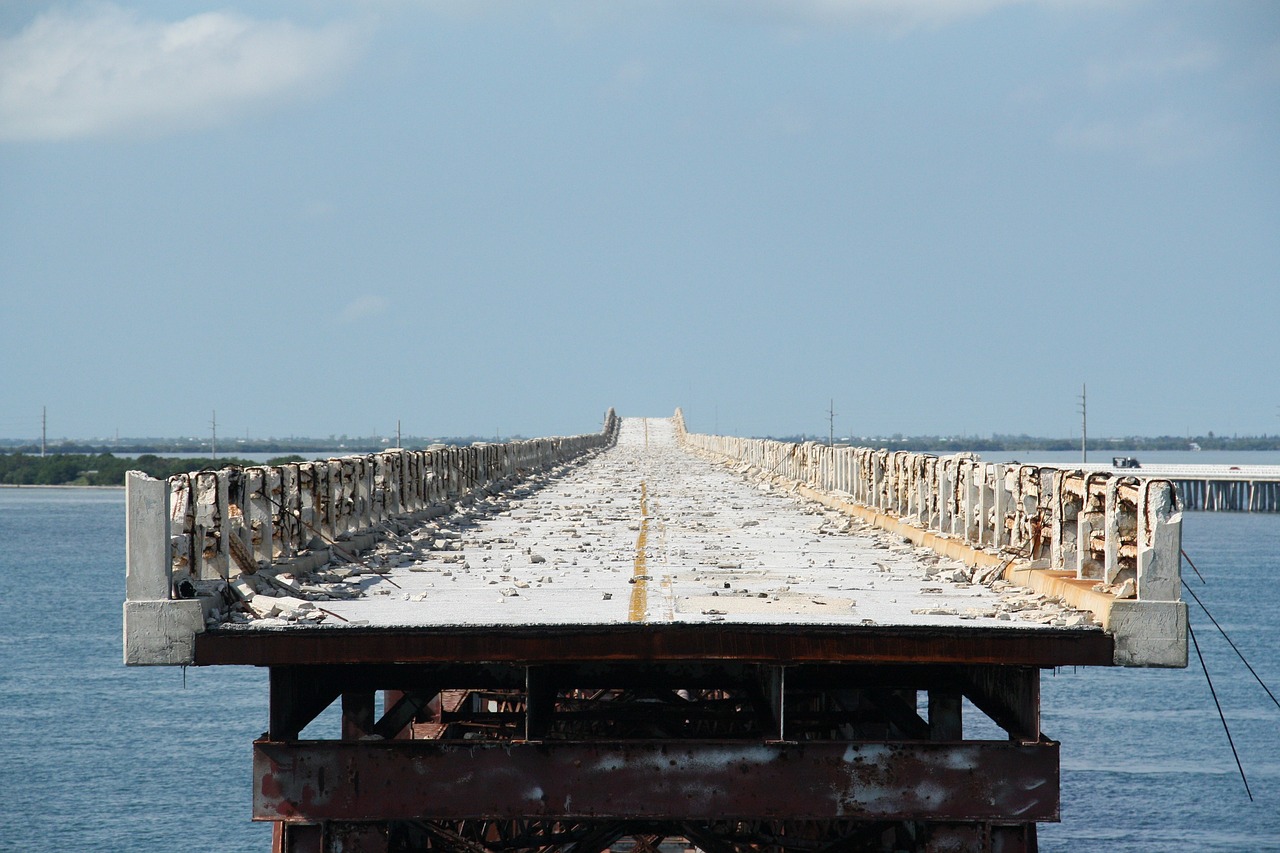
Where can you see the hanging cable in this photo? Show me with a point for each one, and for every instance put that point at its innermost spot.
(1221, 716)
(1239, 653)
(1192, 565)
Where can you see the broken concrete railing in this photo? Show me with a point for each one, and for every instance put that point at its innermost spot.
(1103, 542)
(193, 530)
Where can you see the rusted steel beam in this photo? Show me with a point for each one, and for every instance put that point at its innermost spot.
(665, 643)
(358, 710)
(317, 686)
(298, 697)
(1009, 695)
(675, 780)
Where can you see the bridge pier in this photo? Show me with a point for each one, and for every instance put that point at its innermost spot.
(722, 756)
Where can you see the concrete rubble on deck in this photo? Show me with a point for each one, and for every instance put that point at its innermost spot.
(644, 531)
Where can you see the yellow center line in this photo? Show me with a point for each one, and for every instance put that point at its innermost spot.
(667, 608)
(639, 579)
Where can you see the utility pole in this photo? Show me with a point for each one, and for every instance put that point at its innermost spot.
(831, 423)
(213, 443)
(44, 427)
(1084, 423)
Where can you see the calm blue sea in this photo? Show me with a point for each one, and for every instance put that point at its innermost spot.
(94, 756)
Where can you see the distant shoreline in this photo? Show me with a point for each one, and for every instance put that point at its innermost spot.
(57, 486)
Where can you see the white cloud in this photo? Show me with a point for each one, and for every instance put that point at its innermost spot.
(105, 71)
(1159, 138)
(579, 16)
(896, 15)
(364, 307)
(1103, 73)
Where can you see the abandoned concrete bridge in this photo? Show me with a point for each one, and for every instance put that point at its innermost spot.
(647, 636)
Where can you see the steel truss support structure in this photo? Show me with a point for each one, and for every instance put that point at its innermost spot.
(725, 757)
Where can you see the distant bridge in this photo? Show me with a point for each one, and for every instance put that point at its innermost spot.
(654, 635)
(1215, 488)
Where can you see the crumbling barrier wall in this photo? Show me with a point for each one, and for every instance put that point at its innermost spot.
(238, 519)
(1115, 530)
(211, 525)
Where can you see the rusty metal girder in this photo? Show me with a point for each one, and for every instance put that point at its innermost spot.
(774, 644)
(686, 780)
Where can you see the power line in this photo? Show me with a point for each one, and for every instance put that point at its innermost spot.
(1084, 423)
(1239, 653)
(1221, 716)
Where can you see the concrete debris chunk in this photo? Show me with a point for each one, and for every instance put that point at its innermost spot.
(283, 580)
(265, 607)
(244, 587)
(988, 575)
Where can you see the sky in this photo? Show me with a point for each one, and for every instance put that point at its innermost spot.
(498, 216)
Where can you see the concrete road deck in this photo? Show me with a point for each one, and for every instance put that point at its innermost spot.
(646, 532)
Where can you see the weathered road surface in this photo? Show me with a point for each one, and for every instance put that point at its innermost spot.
(648, 532)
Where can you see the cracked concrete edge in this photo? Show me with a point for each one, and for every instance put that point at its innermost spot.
(162, 632)
(1149, 633)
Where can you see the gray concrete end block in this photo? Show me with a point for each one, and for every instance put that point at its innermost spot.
(147, 540)
(161, 633)
(1149, 633)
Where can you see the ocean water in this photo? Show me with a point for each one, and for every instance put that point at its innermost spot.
(97, 756)
(94, 755)
(1145, 762)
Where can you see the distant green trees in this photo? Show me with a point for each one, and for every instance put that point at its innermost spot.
(101, 469)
